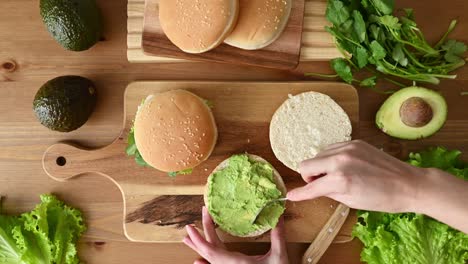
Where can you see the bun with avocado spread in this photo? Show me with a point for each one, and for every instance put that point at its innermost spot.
(173, 132)
(238, 188)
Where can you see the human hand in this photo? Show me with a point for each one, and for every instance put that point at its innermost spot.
(362, 177)
(213, 250)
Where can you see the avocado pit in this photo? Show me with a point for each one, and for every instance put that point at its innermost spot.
(416, 112)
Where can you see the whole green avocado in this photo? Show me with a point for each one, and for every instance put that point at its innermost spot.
(65, 103)
(75, 24)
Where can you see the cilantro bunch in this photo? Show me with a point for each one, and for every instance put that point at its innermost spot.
(371, 38)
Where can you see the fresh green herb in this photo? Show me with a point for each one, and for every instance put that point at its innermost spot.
(414, 238)
(369, 82)
(361, 57)
(370, 37)
(47, 234)
(209, 103)
(454, 51)
(132, 149)
(337, 13)
(378, 52)
(342, 69)
(182, 172)
(383, 6)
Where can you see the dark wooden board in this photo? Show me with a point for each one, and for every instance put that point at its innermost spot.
(282, 54)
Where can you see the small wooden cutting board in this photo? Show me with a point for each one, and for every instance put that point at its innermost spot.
(156, 206)
(281, 54)
(316, 44)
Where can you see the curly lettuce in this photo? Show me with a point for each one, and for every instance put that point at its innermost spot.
(414, 238)
(48, 234)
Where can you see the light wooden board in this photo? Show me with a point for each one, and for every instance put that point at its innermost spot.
(158, 206)
(282, 54)
(317, 44)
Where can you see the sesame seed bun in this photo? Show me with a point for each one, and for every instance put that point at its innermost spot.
(175, 131)
(260, 23)
(276, 178)
(198, 26)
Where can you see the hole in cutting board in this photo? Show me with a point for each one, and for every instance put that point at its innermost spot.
(61, 161)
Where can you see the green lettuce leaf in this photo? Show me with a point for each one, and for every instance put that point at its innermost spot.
(414, 238)
(10, 253)
(132, 149)
(48, 234)
(182, 172)
(441, 158)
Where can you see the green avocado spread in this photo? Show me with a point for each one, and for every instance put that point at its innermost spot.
(237, 192)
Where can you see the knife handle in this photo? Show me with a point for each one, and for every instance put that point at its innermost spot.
(326, 235)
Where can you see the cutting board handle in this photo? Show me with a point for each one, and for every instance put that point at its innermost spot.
(63, 161)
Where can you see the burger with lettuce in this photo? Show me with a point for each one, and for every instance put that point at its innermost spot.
(174, 132)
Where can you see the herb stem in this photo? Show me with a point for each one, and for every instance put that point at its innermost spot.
(311, 74)
(395, 82)
(380, 75)
(451, 27)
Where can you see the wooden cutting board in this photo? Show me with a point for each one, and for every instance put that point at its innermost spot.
(317, 44)
(156, 206)
(281, 54)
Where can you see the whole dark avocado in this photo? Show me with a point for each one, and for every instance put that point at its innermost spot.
(75, 24)
(65, 103)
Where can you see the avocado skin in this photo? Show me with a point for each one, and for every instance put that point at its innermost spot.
(65, 103)
(75, 24)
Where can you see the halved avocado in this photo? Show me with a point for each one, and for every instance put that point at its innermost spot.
(412, 113)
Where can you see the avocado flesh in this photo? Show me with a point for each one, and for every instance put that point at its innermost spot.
(65, 103)
(388, 118)
(75, 24)
(238, 191)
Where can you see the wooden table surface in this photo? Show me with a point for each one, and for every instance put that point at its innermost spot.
(29, 57)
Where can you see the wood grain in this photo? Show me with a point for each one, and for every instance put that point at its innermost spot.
(316, 43)
(157, 206)
(39, 58)
(282, 54)
(325, 237)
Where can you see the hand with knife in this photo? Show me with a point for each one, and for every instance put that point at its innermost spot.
(364, 177)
